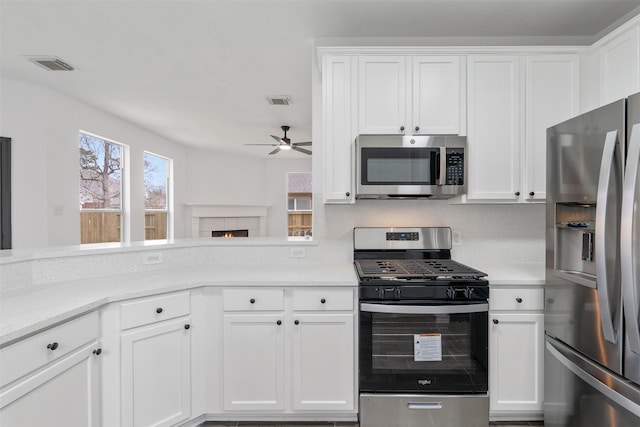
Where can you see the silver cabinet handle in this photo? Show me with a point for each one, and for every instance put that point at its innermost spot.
(629, 239)
(423, 309)
(607, 223)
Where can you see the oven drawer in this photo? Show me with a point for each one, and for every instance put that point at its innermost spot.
(422, 410)
(323, 299)
(516, 299)
(253, 299)
(155, 309)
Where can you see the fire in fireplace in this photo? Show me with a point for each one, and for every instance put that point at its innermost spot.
(230, 233)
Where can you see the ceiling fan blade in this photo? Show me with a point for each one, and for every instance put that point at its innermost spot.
(271, 145)
(302, 150)
(277, 138)
(275, 151)
(302, 143)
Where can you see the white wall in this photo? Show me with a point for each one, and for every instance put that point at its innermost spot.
(43, 126)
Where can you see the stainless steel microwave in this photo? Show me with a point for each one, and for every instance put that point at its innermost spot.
(421, 166)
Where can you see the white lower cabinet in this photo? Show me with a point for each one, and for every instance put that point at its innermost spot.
(61, 381)
(516, 339)
(289, 350)
(254, 362)
(323, 361)
(156, 361)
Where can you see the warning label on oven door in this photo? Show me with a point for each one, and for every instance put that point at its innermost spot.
(427, 347)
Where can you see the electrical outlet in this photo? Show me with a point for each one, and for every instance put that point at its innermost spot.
(58, 210)
(152, 258)
(456, 236)
(298, 253)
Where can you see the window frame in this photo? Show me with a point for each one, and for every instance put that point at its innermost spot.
(169, 188)
(124, 210)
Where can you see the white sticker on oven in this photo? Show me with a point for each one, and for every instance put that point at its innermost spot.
(427, 347)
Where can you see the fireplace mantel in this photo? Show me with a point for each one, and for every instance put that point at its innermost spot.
(196, 211)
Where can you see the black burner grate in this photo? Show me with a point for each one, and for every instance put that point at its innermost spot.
(428, 268)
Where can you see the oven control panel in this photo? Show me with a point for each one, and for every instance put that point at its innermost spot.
(416, 292)
(403, 236)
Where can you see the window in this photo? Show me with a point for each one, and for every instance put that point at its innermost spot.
(101, 189)
(156, 196)
(300, 205)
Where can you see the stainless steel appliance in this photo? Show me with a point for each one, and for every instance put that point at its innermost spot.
(423, 331)
(592, 292)
(420, 166)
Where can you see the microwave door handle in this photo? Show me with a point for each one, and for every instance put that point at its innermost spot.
(442, 172)
(629, 240)
(605, 269)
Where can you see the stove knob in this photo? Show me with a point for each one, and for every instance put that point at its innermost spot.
(468, 292)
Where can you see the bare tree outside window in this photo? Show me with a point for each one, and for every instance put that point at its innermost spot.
(100, 189)
(156, 196)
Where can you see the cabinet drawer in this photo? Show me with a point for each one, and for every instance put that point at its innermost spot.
(149, 310)
(516, 299)
(323, 299)
(36, 351)
(253, 299)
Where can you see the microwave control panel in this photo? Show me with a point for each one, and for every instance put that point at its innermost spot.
(455, 166)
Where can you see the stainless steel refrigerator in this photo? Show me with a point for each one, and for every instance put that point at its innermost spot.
(592, 291)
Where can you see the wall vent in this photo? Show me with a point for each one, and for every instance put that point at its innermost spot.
(279, 100)
(51, 63)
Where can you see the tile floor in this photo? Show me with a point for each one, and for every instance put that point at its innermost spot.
(344, 424)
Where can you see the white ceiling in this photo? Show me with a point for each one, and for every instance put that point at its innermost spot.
(198, 72)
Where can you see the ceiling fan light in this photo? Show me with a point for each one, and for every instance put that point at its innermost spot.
(285, 147)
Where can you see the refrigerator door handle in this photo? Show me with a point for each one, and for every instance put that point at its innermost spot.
(604, 385)
(606, 241)
(629, 240)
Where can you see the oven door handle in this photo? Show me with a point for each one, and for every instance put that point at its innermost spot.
(424, 309)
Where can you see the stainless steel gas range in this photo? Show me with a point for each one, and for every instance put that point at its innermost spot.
(423, 331)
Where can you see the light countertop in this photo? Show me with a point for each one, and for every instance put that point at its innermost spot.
(29, 309)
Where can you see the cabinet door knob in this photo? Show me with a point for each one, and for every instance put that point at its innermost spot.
(519, 300)
(296, 322)
(496, 321)
(187, 326)
(532, 194)
(97, 351)
(417, 128)
(323, 300)
(52, 346)
(279, 322)
(252, 300)
(347, 194)
(402, 128)
(517, 193)
(159, 310)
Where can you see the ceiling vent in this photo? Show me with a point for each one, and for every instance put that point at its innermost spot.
(279, 100)
(51, 63)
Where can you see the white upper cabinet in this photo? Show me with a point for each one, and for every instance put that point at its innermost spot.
(338, 114)
(619, 69)
(512, 101)
(382, 95)
(409, 95)
(494, 130)
(551, 97)
(437, 106)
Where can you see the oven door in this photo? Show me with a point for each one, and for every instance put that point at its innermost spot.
(423, 346)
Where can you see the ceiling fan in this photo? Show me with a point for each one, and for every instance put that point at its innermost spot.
(285, 143)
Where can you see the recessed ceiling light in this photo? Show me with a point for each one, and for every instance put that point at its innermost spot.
(51, 63)
(279, 100)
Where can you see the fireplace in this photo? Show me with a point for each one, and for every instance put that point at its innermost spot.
(230, 233)
(205, 218)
